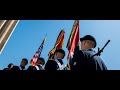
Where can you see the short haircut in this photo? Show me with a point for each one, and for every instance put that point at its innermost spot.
(89, 37)
(42, 59)
(24, 59)
(90, 42)
(9, 65)
(60, 51)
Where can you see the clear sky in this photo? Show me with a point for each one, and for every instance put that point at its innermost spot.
(29, 34)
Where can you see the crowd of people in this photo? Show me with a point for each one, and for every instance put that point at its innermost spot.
(82, 59)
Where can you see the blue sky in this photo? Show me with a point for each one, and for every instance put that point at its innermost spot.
(29, 34)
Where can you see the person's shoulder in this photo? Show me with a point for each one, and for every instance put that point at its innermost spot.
(80, 53)
(98, 59)
(51, 65)
(31, 68)
(51, 60)
(15, 68)
(5, 69)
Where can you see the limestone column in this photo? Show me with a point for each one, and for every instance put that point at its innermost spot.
(6, 29)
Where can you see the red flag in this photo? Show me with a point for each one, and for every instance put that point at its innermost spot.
(60, 40)
(74, 41)
(59, 43)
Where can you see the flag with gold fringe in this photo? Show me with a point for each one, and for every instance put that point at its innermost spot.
(73, 41)
(58, 45)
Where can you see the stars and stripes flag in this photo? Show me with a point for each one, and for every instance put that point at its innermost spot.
(58, 45)
(38, 53)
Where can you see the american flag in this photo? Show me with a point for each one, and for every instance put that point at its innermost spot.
(38, 53)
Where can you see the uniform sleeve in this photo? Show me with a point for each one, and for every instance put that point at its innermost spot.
(77, 60)
(104, 67)
(51, 65)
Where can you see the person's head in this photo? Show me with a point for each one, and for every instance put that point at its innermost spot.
(40, 61)
(88, 42)
(60, 53)
(24, 62)
(10, 65)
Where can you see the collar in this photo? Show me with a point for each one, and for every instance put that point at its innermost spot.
(91, 49)
(58, 58)
(39, 65)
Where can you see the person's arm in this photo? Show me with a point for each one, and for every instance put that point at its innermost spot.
(15, 68)
(77, 60)
(104, 67)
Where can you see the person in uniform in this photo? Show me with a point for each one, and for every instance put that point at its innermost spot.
(57, 63)
(39, 64)
(23, 63)
(84, 59)
(9, 66)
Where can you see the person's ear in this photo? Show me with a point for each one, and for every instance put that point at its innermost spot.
(84, 43)
(56, 53)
